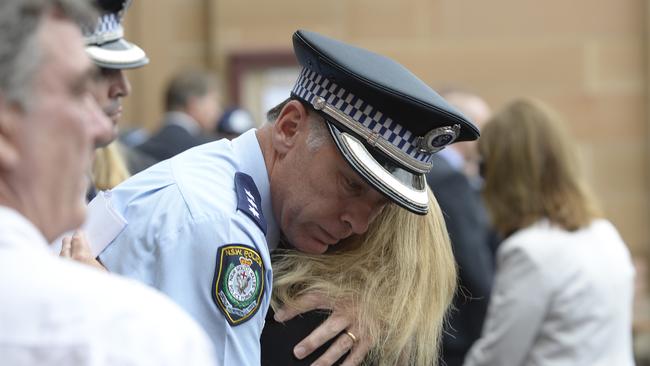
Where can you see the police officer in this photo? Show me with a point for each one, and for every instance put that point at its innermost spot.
(107, 48)
(113, 54)
(357, 133)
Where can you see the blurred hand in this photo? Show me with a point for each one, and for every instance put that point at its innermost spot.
(341, 319)
(76, 247)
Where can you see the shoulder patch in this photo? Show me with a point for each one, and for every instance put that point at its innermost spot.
(249, 200)
(238, 283)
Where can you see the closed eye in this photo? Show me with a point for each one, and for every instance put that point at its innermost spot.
(352, 187)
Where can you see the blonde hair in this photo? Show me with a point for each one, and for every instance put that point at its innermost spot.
(109, 168)
(400, 276)
(531, 170)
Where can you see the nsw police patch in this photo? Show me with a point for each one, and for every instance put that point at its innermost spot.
(238, 282)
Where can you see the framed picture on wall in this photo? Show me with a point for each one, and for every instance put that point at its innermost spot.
(260, 80)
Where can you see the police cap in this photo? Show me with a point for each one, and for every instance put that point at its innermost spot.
(385, 121)
(106, 45)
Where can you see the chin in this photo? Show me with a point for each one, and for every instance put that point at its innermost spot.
(311, 246)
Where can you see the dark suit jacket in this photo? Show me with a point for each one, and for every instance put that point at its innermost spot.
(470, 235)
(170, 140)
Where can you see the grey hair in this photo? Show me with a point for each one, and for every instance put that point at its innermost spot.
(20, 54)
(318, 134)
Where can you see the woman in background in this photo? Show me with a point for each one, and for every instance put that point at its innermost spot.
(401, 277)
(564, 284)
(109, 167)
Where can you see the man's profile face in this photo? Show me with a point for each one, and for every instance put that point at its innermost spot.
(58, 130)
(110, 86)
(318, 199)
(206, 110)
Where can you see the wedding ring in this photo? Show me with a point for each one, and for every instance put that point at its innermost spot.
(352, 336)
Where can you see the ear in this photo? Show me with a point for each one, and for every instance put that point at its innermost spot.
(291, 125)
(9, 117)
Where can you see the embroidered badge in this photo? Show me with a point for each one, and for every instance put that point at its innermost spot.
(238, 282)
(249, 200)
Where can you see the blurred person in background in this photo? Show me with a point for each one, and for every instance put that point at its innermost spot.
(564, 283)
(464, 156)
(54, 311)
(192, 109)
(451, 176)
(233, 122)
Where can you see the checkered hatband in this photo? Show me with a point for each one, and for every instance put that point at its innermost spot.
(108, 29)
(377, 129)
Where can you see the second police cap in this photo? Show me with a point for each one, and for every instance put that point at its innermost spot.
(385, 121)
(106, 45)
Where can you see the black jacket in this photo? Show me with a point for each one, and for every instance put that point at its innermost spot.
(471, 237)
(170, 140)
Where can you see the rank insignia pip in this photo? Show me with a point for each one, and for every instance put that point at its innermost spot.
(238, 282)
(248, 199)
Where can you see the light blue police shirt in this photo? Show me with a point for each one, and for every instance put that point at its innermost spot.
(184, 225)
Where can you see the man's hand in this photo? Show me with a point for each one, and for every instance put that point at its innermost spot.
(342, 319)
(76, 247)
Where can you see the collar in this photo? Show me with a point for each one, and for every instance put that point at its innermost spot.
(251, 160)
(183, 120)
(18, 231)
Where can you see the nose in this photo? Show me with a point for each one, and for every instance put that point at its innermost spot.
(119, 85)
(361, 212)
(99, 124)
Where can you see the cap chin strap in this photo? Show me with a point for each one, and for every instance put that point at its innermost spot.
(373, 138)
(416, 201)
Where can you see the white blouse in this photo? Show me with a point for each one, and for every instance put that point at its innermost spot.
(559, 298)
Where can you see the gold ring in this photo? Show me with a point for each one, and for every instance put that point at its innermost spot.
(352, 336)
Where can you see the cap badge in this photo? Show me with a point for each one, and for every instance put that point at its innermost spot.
(436, 139)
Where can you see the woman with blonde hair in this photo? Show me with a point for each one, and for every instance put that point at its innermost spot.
(109, 167)
(400, 277)
(564, 283)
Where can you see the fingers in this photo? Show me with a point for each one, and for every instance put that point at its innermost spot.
(358, 352)
(304, 303)
(343, 344)
(79, 248)
(329, 329)
(342, 318)
(66, 247)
